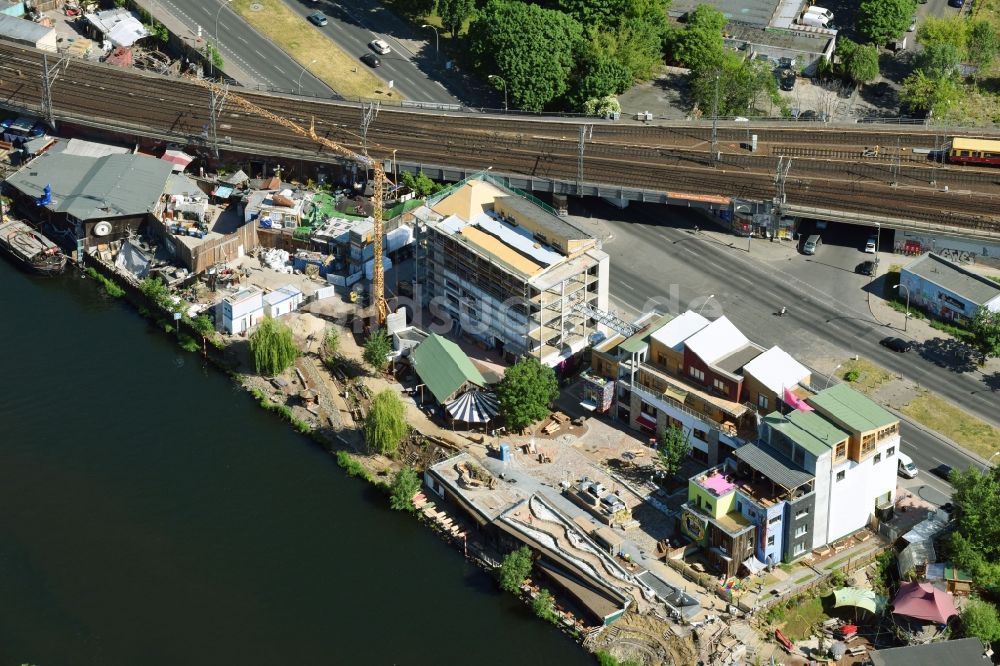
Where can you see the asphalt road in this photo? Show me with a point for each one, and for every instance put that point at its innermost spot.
(353, 25)
(658, 261)
(240, 44)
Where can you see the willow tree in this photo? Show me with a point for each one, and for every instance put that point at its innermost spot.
(273, 347)
(385, 425)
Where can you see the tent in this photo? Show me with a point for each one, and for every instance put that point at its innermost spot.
(923, 601)
(859, 598)
(473, 407)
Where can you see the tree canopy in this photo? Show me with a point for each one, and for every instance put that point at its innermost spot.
(273, 347)
(598, 77)
(531, 48)
(980, 620)
(952, 30)
(385, 426)
(421, 183)
(930, 94)
(975, 543)
(673, 449)
(525, 392)
(983, 45)
(515, 568)
(404, 486)
(885, 20)
(939, 61)
(860, 62)
(985, 327)
(742, 84)
(454, 13)
(378, 346)
(699, 44)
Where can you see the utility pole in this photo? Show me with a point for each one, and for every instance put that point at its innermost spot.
(217, 101)
(779, 194)
(586, 132)
(715, 121)
(49, 76)
(896, 164)
(368, 114)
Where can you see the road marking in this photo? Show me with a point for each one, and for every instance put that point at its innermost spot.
(242, 39)
(259, 53)
(280, 70)
(626, 285)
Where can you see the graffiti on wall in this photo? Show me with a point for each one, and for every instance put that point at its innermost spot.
(958, 256)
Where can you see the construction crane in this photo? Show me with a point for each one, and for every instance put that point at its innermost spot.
(378, 184)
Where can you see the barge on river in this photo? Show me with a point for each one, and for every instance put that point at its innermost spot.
(30, 249)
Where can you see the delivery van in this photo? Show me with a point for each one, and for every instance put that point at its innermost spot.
(822, 11)
(905, 467)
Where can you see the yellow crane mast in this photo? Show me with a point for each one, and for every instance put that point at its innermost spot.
(378, 182)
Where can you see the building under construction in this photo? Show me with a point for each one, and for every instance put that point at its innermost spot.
(511, 273)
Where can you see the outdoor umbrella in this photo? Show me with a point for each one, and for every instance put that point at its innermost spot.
(925, 602)
(859, 598)
(473, 406)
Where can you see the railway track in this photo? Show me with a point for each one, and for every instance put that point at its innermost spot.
(827, 172)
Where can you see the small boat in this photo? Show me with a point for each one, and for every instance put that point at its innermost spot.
(30, 249)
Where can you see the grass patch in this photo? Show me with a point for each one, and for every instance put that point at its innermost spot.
(836, 563)
(353, 468)
(304, 42)
(110, 287)
(786, 567)
(283, 410)
(802, 579)
(864, 375)
(803, 618)
(955, 331)
(944, 417)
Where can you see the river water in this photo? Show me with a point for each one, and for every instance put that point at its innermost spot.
(151, 514)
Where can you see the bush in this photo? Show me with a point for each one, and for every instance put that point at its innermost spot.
(852, 375)
(353, 468)
(545, 607)
(404, 486)
(515, 568)
(110, 287)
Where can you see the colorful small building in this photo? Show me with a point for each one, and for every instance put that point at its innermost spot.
(241, 311)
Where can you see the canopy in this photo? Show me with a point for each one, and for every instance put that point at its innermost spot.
(923, 601)
(473, 407)
(858, 597)
(178, 158)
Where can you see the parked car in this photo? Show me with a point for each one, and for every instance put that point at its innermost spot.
(871, 245)
(867, 268)
(317, 19)
(943, 471)
(786, 78)
(896, 344)
(371, 60)
(906, 467)
(956, 3)
(379, 46)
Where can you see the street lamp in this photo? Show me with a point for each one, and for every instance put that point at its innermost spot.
(436, 42)
(302, 73)
(907, 319)
(829, 377)
(710, 297)
(990, 459)
(500, 79)
(221, 6)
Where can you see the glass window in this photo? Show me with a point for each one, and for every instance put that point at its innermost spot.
(840, 475)
(697, 374)
(890, 451)
(878, 458)
(762, 401)
(770, 540)
(700, 434)
(802, 514)
(799, 549)
(719, 385)
(801, 529)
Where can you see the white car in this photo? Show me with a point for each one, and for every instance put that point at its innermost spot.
(379, 46)
(870, 245)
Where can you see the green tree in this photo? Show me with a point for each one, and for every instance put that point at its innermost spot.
(273, 347)
(599, 77)
(525, 392)
(405, 485)
(531, 48)
(980, 620)
(953, 30)
(985, 327)
(885, 20)
(203, 324)
(544, 606)
(975, 543)
(930, 94)
(939, 61)
(214, 56)
(454, 14)
(414, 8)
(699, 44)
(984, 44)
(742, 85)
(860, 62)
(515, 568)
(331, 345)
(673, 449)
(421, 184)
(385, 426)
(378, 346)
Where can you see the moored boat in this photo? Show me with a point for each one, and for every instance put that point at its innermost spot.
(30, 249)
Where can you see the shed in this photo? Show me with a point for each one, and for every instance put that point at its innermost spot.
(282, 300)
(28, 33)
(119, 26)
(241, 311)
(444, 368)
(956, 580)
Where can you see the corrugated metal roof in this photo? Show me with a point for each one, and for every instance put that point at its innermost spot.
(90, 188)
(21, 30)
(962, 651)
(443, 367)
(954, 278)
(774, 466)
(807, 429)
(852, 408)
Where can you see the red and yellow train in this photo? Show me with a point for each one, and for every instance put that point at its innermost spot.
(974, 151)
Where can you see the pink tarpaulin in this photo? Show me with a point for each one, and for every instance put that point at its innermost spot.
(178, 158)
(923, 601)
(795, 401)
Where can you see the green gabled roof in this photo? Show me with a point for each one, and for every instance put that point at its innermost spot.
(443, 367)
(807, 429)
(640, 340)
(855, 410)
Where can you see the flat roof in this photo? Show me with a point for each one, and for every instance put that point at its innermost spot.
(807, 429)
(739, 358)
(489, 502)
(777, 370)
(754, 12)
(496, 247)
(963, 651)
(679, 329)
(947, 275)
(23, 30)
(857, 411)
(551, 223)
(774, 466)
(781, 38)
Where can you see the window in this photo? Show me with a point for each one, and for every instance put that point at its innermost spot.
(841, 451)
(700, 434)
(801, 530)
(799, 549)
(840, 475)
(889, 452)
(878, 458)
(770, 540)
(762, 401)
(774, 519)
(697, 374)
(720, 386)
(802, 514)
(739, 506)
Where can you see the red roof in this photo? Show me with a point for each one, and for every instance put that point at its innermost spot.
(923, 601)
(121, 56)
